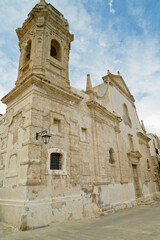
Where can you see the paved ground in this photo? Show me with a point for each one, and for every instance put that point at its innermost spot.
(140, 223)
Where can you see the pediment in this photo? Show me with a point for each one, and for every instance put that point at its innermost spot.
(119, 82)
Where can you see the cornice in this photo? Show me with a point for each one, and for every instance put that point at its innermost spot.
(143, 136)
(102, 110)
(33, 79)
(98, 183)
(134, 154)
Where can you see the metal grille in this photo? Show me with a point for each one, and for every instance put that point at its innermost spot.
(55, 161)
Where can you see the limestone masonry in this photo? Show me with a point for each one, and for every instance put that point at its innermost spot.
(98, 157)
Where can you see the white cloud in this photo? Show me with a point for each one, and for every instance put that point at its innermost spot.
(136, 9)
(8, 74)
(112, 10)
(141, 70)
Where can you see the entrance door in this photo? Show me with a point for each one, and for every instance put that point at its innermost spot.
(136, 182)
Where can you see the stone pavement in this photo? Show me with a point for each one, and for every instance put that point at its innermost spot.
(139, 223)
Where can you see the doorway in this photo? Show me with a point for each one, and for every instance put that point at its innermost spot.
(136, 182)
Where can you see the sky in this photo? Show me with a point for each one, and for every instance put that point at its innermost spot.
(119, 35)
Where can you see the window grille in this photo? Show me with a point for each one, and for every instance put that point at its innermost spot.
(55, 161)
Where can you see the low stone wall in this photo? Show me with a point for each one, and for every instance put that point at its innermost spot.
(42, 209)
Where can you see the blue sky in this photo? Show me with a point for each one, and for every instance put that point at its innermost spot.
(119, 35)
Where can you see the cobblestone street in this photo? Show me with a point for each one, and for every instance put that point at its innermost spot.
(139, 223)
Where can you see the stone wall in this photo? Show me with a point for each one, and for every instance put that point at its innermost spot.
(32, 195)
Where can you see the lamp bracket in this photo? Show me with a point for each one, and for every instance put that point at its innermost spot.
(40, 134)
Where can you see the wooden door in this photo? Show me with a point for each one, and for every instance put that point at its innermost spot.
(135, 179)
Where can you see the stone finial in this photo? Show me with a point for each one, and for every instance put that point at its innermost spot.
(118, 72)
(89, 84)
(42, 2)
(108, 72)
(143, 127)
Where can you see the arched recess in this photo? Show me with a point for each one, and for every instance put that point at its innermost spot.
(148, 165)
(55, 50)
(27, 54)
(111, 156)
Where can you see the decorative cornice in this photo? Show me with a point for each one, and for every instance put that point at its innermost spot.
(32, 79)
(143, 136)
(98, 183)
(134, 154)
(102, 110)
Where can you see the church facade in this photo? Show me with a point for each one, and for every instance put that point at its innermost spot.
(97, 158)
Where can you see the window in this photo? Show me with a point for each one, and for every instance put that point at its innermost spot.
(55, 50)
(127, 119)
(159, 166)
(55, 161)
(156, 149)
(27, 54)
(111, 157)
(148, 165)
(131, 142)
(57, 125)
(83, 134)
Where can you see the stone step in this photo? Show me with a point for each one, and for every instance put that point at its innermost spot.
(149, 202)
(144, 201)
(109, 212)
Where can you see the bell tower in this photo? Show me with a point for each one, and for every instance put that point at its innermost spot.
(44, 41)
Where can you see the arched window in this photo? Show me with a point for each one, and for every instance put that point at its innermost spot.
(27, 55)
(127, 119)
(111, 156)
(55, 161)
(55, 50)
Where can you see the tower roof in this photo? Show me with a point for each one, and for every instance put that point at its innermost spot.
(46, 10)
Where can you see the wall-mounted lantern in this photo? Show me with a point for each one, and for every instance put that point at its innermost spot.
(45, 136)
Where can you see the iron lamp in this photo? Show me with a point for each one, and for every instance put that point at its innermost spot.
(45, 136)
